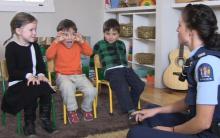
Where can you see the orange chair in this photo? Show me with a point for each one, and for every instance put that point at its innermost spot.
(51, 69)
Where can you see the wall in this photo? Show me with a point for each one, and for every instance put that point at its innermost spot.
(87, 15)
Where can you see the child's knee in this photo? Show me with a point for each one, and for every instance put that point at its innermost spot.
(92, 92)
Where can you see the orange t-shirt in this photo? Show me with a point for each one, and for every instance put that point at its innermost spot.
(68, 60)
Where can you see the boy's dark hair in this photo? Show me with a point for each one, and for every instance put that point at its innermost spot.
(66, 24)
(111, 24)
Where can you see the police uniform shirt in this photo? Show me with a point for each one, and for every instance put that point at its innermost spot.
(207, 75)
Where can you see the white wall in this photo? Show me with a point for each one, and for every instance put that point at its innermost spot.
(87, 14)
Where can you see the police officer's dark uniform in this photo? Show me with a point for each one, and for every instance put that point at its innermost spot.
(202, 71)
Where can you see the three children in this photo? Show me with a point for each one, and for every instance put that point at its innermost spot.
(27, 81)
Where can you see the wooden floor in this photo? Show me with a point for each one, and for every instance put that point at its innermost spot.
(161, 96)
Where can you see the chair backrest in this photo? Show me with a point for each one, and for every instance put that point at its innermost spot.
(97, 61)
(50, 66)
(97, 66)
(50, 69)
(4, 70)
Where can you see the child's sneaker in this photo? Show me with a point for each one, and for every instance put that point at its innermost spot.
(88, 116)
(73, 117)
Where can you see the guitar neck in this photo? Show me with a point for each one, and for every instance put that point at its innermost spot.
(181, 50)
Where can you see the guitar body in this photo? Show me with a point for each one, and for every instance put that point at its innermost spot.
(170, 76)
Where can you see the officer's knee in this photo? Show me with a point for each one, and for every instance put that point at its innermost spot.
(132, 133)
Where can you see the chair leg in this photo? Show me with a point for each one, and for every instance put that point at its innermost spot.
(139, 104)
(19, 124)
(96, 100)
(3, 118)
(95, 107)
(3, 113)
(110, 100)
(53, 109)
(64, 114)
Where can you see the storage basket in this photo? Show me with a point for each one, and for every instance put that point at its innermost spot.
(133, 2)
(146, 32)
(126, 30)
(145, 58)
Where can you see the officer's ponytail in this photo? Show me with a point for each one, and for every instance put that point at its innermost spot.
(213, 43)
(202, 18)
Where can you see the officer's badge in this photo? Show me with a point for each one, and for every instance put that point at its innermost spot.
(205, 73)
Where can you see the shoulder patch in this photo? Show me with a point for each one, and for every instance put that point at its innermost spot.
(205, 73)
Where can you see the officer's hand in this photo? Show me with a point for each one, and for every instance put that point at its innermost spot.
(145, 113)
(169, 129)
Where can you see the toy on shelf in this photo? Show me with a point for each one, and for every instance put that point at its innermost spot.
(147, 2)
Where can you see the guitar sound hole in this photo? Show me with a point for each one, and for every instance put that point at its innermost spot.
(180, 62)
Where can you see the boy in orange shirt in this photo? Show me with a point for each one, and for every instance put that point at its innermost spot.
(66, 51)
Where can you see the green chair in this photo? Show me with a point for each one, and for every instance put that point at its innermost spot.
(4, 78)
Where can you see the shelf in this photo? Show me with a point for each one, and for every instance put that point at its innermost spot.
(151, 40)
(126, 38)
(209, 3)
(145, 65)
(130, 9)
(138, 13)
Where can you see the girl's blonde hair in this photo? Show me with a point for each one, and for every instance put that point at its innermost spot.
(19, 20)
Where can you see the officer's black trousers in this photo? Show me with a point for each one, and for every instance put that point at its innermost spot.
(145, 130)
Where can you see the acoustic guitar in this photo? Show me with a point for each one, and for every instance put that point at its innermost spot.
(177, 58)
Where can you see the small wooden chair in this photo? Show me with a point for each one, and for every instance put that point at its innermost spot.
(105, 82)
(51, 69)
(102, 82)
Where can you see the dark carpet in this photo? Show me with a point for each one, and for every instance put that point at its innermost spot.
(104, 122)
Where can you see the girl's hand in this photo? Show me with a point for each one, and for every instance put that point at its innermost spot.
(78, 38)
(43, 78)
(33, 80)
(145, 113)
(169, 129)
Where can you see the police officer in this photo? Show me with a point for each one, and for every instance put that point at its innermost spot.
(198, 30)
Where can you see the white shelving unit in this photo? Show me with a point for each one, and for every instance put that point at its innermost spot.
(213, 3)
(165, 16)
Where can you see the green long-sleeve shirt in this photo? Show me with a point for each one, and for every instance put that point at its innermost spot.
(111, 55)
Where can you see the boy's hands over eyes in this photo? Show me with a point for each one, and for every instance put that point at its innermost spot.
(60, 37)
(78, 38)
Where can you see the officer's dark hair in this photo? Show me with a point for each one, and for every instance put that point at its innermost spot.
(201, 18)
(66, 24)
(18, 21)
(111, 24)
